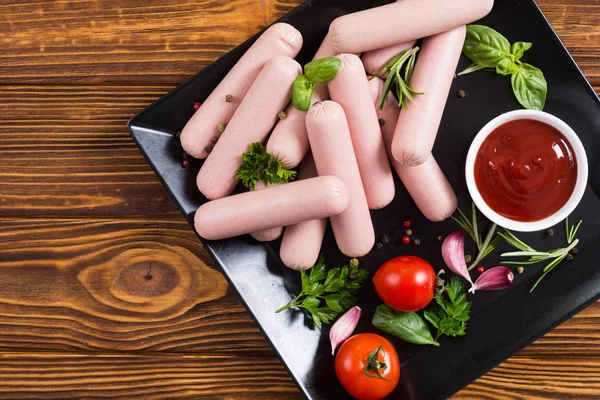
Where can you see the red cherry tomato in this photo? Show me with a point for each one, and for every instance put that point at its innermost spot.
(366, 354)
(405, 283)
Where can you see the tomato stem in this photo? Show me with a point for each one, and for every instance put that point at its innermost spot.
(373, 365)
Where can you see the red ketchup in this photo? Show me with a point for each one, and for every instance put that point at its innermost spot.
(525, 170)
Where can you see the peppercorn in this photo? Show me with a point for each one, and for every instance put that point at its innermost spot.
(461, 93)
(178, 134)
(197, 105)
(439, 238)
(480, 269)
(550, 232)
(214, 140)
(228, 98)
(281, 115)
(385, 239)
(208, 149)
(379, 245)
(409, 232)
(417, 242)
(185, 162)
(406, 239)
(407, 224)
(520, 269)
(221, 127)
(570, 257)
(574, 250)
(352, 277)
(467, 258)
(354, 262)
(381, 122)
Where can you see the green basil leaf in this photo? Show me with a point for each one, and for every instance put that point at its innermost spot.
(485, 46)
(302, 92)
(506, 67)
(530, 87)
(322, 70)
(519, 48)
(408, 326)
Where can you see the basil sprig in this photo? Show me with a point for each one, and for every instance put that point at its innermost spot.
(408, 326)
(488, 48)
(316, 71)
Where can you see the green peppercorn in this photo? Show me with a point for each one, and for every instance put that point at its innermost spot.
(221, 127)
(520, 269)
(354, 262)
(467, 258)
(409, 232)
(281, 115)
(229, 98)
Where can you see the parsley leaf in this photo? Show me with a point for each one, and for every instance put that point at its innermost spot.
(262, 166)
(327, 293)
(451, 312)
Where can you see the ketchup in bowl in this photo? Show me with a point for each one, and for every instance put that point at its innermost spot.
(525, 170)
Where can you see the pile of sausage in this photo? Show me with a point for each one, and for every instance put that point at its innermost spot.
(351, 139)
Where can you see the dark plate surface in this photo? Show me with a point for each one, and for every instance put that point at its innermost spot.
(502, 322)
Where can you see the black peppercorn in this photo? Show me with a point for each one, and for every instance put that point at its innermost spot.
(385, 239)
(570, 257)
(417, 242)
(381, 122)
(461, 93)
(550, 232)
(439, 238)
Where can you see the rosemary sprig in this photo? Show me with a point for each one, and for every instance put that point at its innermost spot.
(556, 255)
(470, 225)
(397, 72)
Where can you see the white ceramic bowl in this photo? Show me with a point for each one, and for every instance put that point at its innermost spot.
(580, 184)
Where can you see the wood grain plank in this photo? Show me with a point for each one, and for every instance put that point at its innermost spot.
(147, 376)
(531, 378)
(66, 152)
(124, 41)
(80, 285)
(167, 41)
(110, 285)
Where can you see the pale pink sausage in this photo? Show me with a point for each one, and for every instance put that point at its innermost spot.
(401, 22)
(252, 122)
(301, 243)
(332, 150)
(288, 142)
(417, 126)
(350, 89)
(278, 40)
(375, 59)
(281, 205)
(426, 183)
(270, 234)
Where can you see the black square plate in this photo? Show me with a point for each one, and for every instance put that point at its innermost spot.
(502, 322)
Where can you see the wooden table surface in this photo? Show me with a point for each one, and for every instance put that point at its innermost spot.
(104, 289)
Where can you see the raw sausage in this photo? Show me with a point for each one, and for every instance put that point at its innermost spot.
(278, 40)
(350, 89)
(401, 22)
(425, 183)
(270, 234)
(332, 150)
(375, 59)
(274, 206)
(418, 125)
(288, 142)
(252, 122)
(301, 243)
